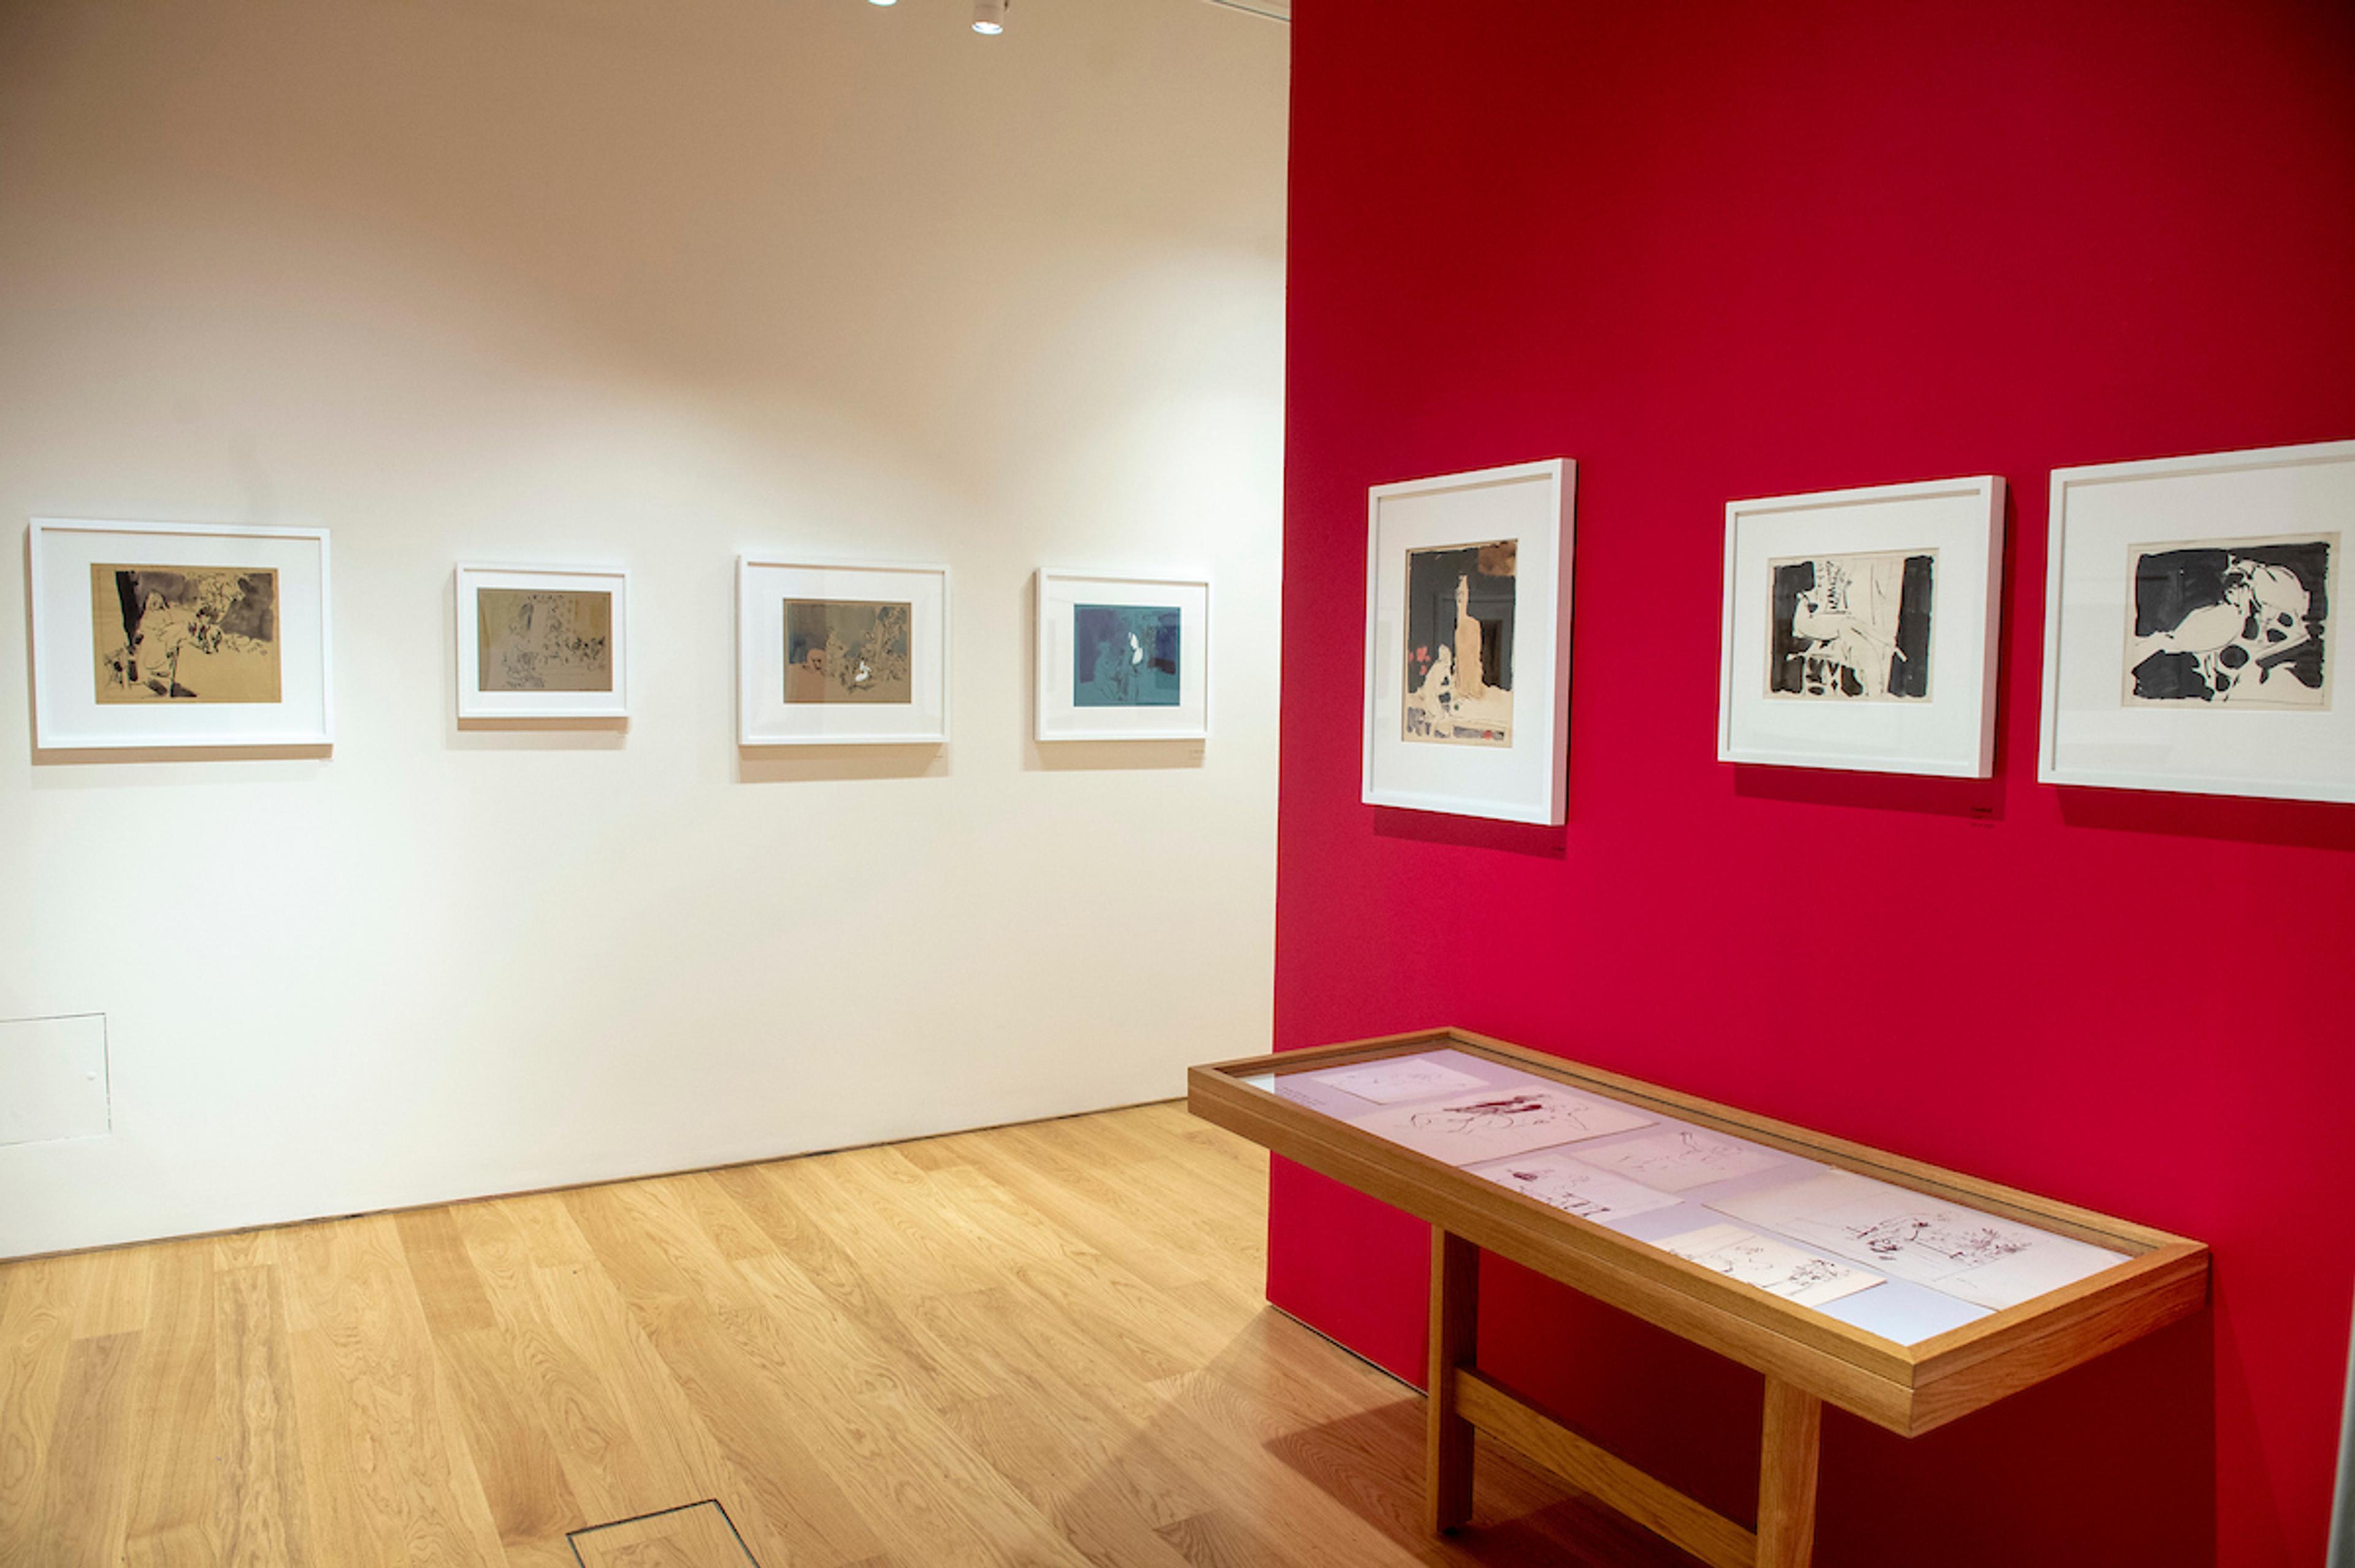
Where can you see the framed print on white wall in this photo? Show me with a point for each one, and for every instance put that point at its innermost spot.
(1123, 656)
(1468, 642)
(1859, 629)
(829, 654)
(2190, 618)
(179, 634)
(543, 642)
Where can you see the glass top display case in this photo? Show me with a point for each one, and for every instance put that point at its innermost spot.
(1904, 1293)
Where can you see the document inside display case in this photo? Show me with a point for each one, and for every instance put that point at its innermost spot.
(1893, 1261)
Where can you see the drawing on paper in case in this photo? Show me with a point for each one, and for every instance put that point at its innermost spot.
(1975, 1257)
(185, 633)
(1459, 644)
(1784, 1271)
(1492, 1122)
(1388, 1081)
(1576, 1189)
(839, 650)
(1677, 1159)
(1124, 656)
(1851, 627)
(535, 640)
(2230, 623)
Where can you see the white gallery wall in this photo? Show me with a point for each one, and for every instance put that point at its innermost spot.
(646, 282)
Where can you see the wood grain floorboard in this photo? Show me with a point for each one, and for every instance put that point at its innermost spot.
(1033, 1347)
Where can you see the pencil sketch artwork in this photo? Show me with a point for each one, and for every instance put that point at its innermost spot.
(1124, 656)
(1576, 1187)
(1459, 644)
(2230, 623)
(1973, 1256)
(185, 633)
(1493, 1123)
(1851, 628)
(841, 650)
(532, 640)
(1678, 1160)
(1399, 1077)
(1753, 1259)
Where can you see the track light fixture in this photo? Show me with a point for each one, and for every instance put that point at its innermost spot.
(988, 15)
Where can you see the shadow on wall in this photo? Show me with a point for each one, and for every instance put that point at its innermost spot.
(1473, 832)
(816, 764)
(2300, 824)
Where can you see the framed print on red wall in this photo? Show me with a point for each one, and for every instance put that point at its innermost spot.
(1859, 629)
(1468, 642)
(2191, 623)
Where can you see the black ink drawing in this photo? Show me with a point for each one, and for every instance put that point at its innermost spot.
(185, 633)
(1769, 1264)
(1853, 628)
(1940, 1236)
(2237, 623)
(1459, 644)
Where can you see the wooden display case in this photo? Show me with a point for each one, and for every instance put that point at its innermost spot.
(1808, 1356)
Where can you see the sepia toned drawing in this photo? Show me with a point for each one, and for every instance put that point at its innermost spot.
(1576, 1187)
(1851, 627)
(1493, 1123)
(1769, 1264)
(539, 640)
(1459, 644)
(1124, 656)
(2230, 623)
(839, 650)
(185, 633)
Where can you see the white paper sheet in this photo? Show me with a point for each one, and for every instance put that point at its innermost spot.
(1395, 1079)
(1675, 1159)
(1753, 1259)
(1575, 1188)
(1476, 1127)
(1971, 1256)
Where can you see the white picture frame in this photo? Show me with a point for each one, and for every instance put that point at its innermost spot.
(1507, 761)
(85, 700)
(1902, 585)
(560, 654)
(1076, 606)
(895, 706)
(2114, 523)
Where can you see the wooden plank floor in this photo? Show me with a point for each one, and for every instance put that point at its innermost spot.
(1042, 1345)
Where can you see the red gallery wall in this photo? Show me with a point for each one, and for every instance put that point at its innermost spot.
(1723, 251)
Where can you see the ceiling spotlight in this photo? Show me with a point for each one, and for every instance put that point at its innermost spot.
(989, 15)
(882, 1)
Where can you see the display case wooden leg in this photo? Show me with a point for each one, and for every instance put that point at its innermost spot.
(1786, 1477)
(1455, 1342)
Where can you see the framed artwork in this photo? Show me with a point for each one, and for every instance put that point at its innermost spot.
(2191, 622)
(1468, 642)
(543, 642)
(841, 655)
(179, 634)
(1859, 629)
(1123, 656)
